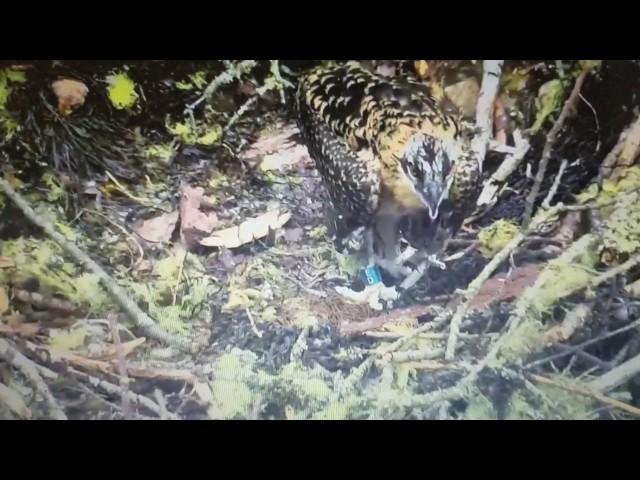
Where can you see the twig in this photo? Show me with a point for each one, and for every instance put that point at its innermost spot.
(506, 168)
(14, 402)
(583, 345)
(30, 370)
(141, 319)
(122, 367)
(417, 355)
(112, 389)
(473, 289)
(617, 376)
(556, 184)
(385, 352)
(568, 108)
(253, 323)
(162, 403)
(225, 77)
(587, 391)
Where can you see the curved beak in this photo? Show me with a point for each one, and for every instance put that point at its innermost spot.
(432, 195)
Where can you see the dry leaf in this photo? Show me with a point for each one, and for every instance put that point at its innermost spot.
(71, 94)
(193, 221)
(248, 231)
(158, 229)
(6, 262)
(4, 301)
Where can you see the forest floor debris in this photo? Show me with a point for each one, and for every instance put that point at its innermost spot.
(241, 262)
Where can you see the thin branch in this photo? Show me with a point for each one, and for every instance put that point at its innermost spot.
(141, 319)
(506, 168)
(617, 376)
(587, 391)
(556, 184)
(30, 370)
(552, 135)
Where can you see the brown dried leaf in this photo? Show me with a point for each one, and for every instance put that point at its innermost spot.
(194, 223)
(4, 301)
(158, 229)
(248, 231)
(71, 94)
(506, 287)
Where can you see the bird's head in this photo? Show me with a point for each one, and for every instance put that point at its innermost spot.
(428, 164)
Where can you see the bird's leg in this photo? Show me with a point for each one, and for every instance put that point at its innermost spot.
(386, 229)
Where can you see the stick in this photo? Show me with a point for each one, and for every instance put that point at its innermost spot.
(617, 376)
(587, 391)
(506, 168)
(141, 319)
(30, 370)
(568, 107)
(556, 184)
(122, 368)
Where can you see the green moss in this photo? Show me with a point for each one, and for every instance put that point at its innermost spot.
(121, 91)
(496, 236)
(196, 135)
(549, 101)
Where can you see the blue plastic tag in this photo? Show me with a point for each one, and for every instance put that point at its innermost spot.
(373, 275)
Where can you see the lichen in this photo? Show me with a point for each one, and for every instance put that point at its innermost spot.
(496, 236)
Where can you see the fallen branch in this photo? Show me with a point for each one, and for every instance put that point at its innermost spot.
(617, 376)
(587, 391)
(29, 369)
(552, 135)
(14, 402)
(140, 318)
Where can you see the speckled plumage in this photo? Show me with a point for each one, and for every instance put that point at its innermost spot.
(386, 150)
